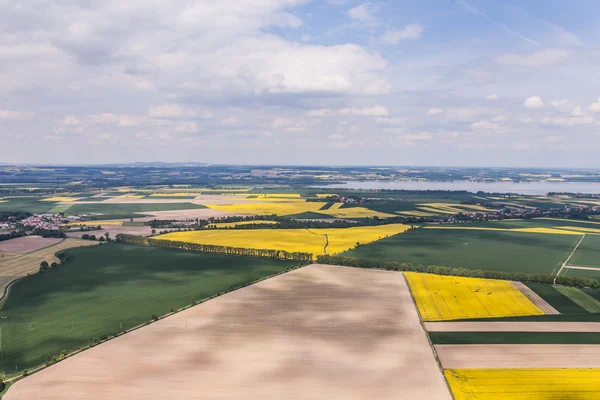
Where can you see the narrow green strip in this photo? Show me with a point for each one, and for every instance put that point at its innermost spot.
(556, 299)
(582, 299)
(515, 337)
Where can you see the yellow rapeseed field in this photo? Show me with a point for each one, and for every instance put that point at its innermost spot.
(415, 213)
(325, 195)
(60, 198)
(580, 229)
(283, 208)
(183, 194)
(442, 298)
(524, 384)
(552, 231)
(292, 240)
(232, 224)
(130, 196)
(267, 195)
(95, 223)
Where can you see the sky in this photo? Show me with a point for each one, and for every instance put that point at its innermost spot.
(297, 82)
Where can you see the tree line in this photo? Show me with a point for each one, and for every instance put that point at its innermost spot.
(12, 235)
(211, 248)
(450, 271)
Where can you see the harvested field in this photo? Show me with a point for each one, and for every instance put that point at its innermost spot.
(519, 356)
(113, 231)
(449, 297)
(13, 267)
(512, 326)
(519, 384)
(320, 332)
(27, 244)
(535, 298)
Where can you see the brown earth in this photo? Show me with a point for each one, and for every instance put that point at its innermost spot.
(535, 298)
(519, 356)
(320, 332)
(115, 230)
(14, 265)
(27, 244)
(512, 326)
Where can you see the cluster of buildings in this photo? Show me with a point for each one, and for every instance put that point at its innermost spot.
(49, 222)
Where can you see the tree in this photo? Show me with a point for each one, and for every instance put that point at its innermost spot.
(153, 232)
(92, 237)
(107, 234)
(53, 265)
(44, 266)
(101, 239)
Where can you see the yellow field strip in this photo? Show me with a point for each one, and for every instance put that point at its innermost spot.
(292, 240)
(291, 207)
(233, 224)
(59, 199)
(553, 231)
(570, 220)
(442, 298)
(524, 384)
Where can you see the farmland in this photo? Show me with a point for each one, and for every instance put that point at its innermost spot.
(448, 298)
(489, 250)
(520, 384)
(317, 332)
(106, 289)
(314, 241)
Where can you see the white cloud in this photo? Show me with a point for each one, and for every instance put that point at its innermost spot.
(485, 125)
(562, 105)
(177, 111)
(230, 121)
(336, 136)
(186, 127)
(418, 136)
(363, 12)
(577, 111)
(412, 31)
(594, 107)
(536, 58)
(435, 111)
(492, 97)
(323, 112)
(366, 111)
(567, 121)
(392, 121)
(15, 115)
(464, 113)
(533, 102)
(498, 118)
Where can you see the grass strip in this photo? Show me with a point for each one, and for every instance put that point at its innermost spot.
(582, 299)
(556, 299)
(514, 337)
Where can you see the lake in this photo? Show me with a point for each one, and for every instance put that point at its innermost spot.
(531, 188)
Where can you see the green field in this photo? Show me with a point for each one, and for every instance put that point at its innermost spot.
(557, 299)
(106, 289)
(588, 252)
(487, 250)
(581, 298)
(514, 337)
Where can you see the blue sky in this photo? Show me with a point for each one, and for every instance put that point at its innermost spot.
(448, 82)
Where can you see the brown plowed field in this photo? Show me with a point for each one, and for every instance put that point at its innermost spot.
(519, 356)
(512, 326)
(320, 332)
(27, 244)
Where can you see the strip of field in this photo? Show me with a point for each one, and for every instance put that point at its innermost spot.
(14, 265)
(535, 298)
(318, 332)
(292, 240)
(293, 207)
(27, 244)
(241, 223)
(496, 338)
(556, 299)
(485, 326)
(489, 250)
(448, 298)
(580, 298)
(588, 252)
(524, 384)
(519, 356)
(106, 289)
(551, 231)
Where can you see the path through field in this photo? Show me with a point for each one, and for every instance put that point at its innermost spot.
(568, 258)
(319, 332)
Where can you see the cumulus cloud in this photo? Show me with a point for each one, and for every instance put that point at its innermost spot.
(485, 125)
(435, 111)
(567, 121)
(492, 97)
(562, 105)
(594, 107)
(412, 31)
(230, 121)
(536, 58)
(533, 102)
(375, 111)
(11, 115)
(363, 12)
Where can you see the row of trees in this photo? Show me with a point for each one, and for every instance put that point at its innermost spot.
(210, 248)
(473, 273)
(12, 235)
(44, 266)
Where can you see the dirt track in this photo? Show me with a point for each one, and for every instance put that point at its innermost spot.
(519, 356)
(317, 333)
(512, 326)
(535, 298)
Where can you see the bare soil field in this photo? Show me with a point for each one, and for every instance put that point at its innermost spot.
(27, 244)
(320, 332)
(519, 356)
(115, 230)
(184, 214)
(535, 298)
(13, 265)
(512, 326)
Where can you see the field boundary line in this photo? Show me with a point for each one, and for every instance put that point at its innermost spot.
(579, 267)
(433, 350)
(567, 260)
